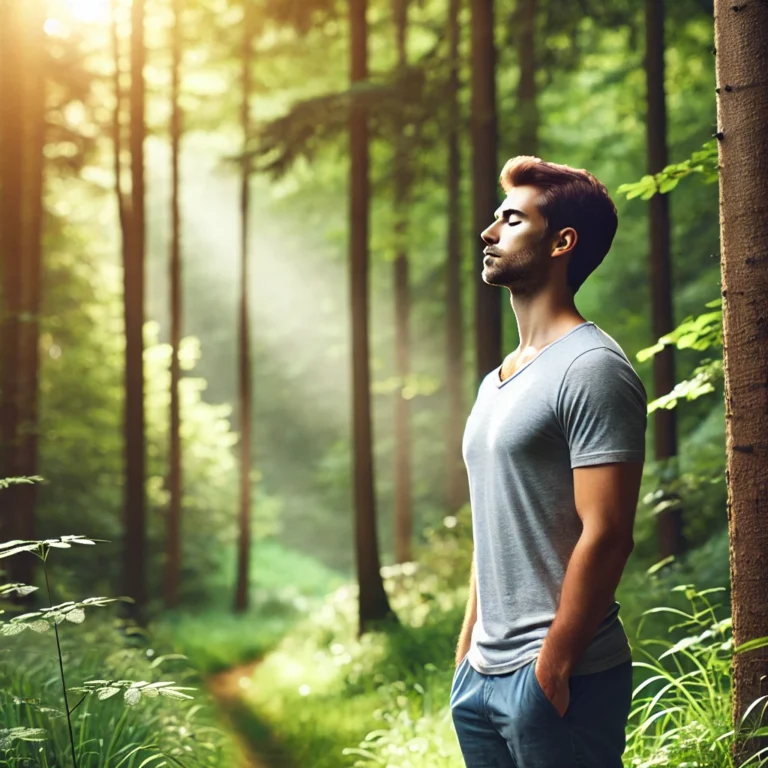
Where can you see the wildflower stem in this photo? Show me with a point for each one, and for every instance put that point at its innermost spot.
(61, 668)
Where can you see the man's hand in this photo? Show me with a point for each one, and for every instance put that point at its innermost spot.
(555, 689)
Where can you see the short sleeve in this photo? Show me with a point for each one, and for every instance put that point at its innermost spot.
(602, 409)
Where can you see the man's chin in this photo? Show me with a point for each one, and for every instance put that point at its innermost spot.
(490, 277)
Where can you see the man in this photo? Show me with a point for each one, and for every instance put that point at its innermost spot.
(554, 448)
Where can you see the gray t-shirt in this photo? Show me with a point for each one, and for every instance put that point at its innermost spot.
(577, 403)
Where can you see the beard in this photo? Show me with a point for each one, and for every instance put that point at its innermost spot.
(523, 272)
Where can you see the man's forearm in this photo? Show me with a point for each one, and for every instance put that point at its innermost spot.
(590, 582)
(470, 617)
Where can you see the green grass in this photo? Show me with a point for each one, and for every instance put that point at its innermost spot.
(285, 586)
(332, 700)
(216, 641)
(109, 733)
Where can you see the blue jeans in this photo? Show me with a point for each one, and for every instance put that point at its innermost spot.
(506, 721)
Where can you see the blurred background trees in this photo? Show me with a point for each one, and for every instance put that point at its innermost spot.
(446, 84)
(440, 75)
(286, 411)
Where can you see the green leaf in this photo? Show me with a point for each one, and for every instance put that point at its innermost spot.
(76, 616)
(15, 542)
(16, 550)
(15, 628)
(658, 566)
(7, 482)
(649, 352)
(8, 736)
(751, 645)
(176, 693)
(668, 184)
(20, 589)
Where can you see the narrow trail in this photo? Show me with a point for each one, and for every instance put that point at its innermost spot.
(226, 687)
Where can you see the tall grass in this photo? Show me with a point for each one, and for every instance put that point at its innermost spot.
(321, 685)
(107, 732)
(118, 714)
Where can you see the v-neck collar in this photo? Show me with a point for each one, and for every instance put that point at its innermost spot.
(497, 372)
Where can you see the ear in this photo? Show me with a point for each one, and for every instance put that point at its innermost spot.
(564, 241)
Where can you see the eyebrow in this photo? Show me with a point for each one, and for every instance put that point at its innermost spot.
(507, 212)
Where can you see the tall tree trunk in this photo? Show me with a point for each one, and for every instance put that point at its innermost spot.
(173, 528)
(669, 526)
(526, 89)
(244, 541)
(741, 43)
(403, 501)
(135, 496)
(373, 602)
(455, 470)
(123, 206)
(11, 249)
(34, 115)
(485, 179)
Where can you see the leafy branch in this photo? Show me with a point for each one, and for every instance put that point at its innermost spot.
(704, 162)
(700, 333)
(132, 691)
(7, 482)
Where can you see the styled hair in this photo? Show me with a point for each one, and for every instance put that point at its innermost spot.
(569, 197)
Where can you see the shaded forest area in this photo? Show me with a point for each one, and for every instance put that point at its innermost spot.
(242, 326)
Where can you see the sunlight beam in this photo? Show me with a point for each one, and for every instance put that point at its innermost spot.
(89, 11)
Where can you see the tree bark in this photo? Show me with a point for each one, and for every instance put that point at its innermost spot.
(403, 500)
(244, 541)
(741, 43)
(11, 249)
(173, 527)
(123, 206)
(670, 522)
(526, 89)
(457, 487)
(33, 151)
(485, 175)
(373, 602)
(135, 494)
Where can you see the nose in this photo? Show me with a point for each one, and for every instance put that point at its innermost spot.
(490, 235)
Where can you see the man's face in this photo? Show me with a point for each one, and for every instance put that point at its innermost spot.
(517, 252)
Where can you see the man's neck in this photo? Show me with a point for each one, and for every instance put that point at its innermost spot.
(544, 318)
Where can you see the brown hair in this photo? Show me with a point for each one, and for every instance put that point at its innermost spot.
(570, 197)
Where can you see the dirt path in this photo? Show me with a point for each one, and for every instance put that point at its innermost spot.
(227, 688)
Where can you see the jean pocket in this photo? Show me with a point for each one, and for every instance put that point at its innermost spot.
(456, 682)
(459, 666)
(539, 692)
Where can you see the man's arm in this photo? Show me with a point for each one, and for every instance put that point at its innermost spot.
(606, 499)
(470, 617)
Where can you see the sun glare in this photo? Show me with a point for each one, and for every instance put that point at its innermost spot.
(89, 10)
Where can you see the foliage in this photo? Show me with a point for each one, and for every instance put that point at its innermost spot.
(323, 683)
(110, 732)
(81, 421)
(704, 162)
(683, 716)
(27, 722)
(700, 333)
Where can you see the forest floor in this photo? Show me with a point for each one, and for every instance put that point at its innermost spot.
(254, 746)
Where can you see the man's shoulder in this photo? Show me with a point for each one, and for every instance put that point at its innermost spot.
(591, 346)
(596, 361)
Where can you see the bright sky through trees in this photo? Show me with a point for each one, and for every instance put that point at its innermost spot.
(90, 11)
